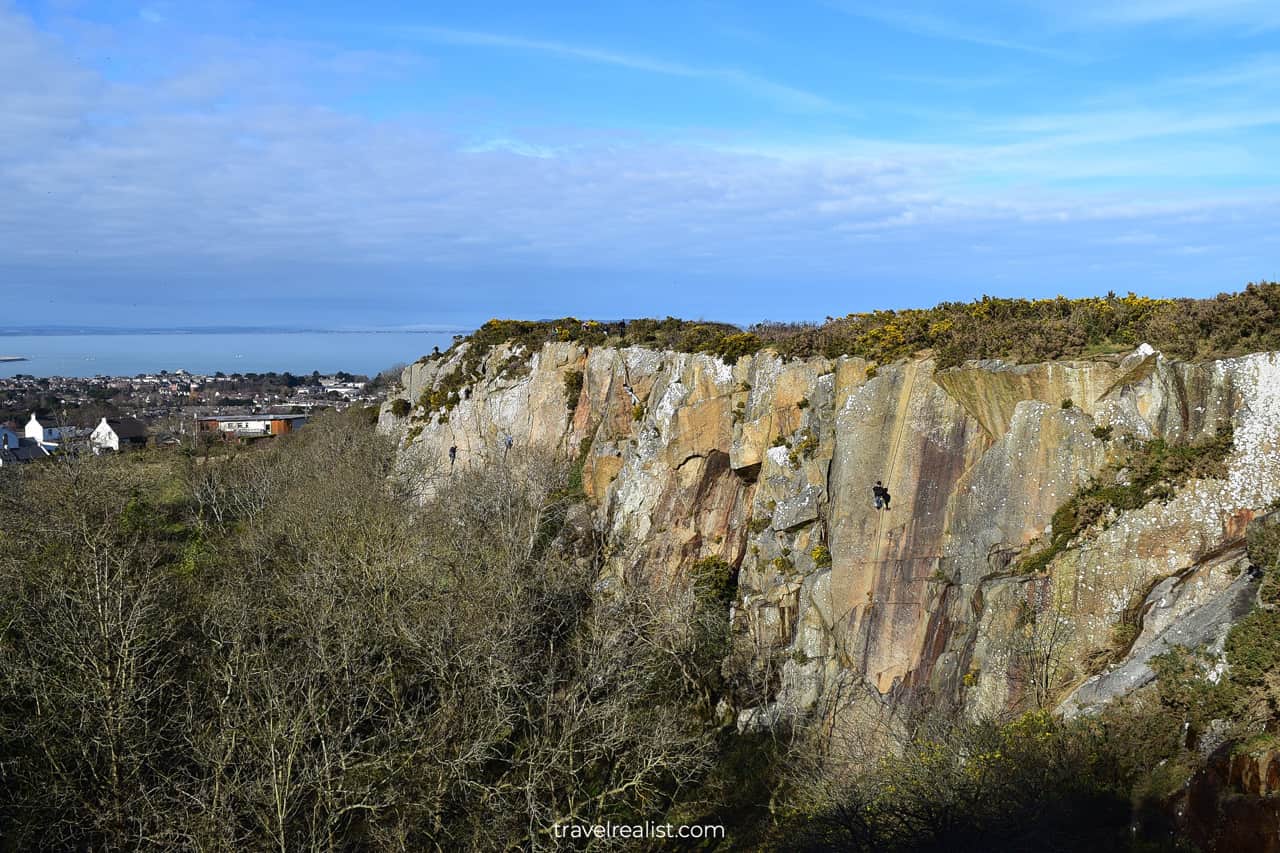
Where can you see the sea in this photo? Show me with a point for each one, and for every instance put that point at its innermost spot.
(130, 354)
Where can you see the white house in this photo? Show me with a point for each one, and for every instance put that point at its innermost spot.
(48, 437)
(117, 434)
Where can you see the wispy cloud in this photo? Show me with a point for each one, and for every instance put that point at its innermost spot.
(935, 26)
(202, 167)
(789, 96)
(1259, 73)
(1251, 14)
(1115, 126)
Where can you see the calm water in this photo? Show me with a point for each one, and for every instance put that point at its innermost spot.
(296, 352)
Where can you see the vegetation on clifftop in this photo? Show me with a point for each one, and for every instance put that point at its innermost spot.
(1022, 330)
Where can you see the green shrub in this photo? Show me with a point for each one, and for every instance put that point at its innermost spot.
(1262, 540)
(572, 389)
(807, 444)
(715, 583)
(733, 346)
(821, 555)
(575, 489)
(1183, 684)
(1067, 404)
(1253, 649)
(1154, 471)
(1122, 636)
(1246, 694)
(980, 785)
(400, 407)
(1263, 547)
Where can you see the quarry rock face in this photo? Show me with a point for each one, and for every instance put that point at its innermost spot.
(768, 465)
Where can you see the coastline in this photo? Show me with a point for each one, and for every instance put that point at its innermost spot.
(131, 355)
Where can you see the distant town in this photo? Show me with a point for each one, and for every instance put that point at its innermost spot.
(42, 415)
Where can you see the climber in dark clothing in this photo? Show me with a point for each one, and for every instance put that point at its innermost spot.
(453, 455)
(881, 495)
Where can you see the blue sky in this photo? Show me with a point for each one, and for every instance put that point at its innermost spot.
(421, 164)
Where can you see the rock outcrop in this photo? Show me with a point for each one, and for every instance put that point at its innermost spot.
(768, 465)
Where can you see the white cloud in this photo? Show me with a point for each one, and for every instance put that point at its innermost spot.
(201, 166)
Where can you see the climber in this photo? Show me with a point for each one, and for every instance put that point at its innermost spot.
(506, 445)
(453, 455)
(881, 494)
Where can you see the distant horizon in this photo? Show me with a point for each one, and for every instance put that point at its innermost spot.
(81, 329)
(85, 355)
(54, 331)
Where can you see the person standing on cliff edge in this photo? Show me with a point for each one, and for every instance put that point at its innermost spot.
(881, 495)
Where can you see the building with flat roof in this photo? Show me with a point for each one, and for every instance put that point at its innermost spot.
(250, 426)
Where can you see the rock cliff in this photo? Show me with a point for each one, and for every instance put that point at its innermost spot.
(768, 465)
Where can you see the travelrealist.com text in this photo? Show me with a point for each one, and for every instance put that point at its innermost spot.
(648, 829)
